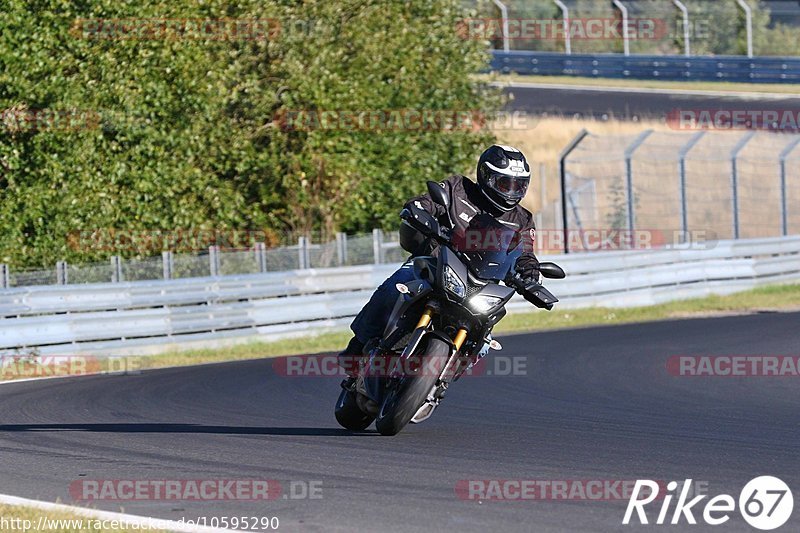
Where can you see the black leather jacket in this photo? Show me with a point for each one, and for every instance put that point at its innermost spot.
(467, 201)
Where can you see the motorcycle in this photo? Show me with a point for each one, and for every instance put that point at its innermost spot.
(441, 324)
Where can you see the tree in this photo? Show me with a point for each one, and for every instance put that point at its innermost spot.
(184, 133)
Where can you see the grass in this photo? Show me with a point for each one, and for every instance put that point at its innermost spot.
(18, 517)
(775, 88)
(772, 298)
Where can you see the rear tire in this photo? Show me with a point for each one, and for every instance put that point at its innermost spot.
(349, 415)
(403, 402)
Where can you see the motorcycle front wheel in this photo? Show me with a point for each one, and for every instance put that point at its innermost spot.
(405, 399)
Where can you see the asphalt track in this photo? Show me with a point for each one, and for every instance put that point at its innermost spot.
(630, 104)
(595, 404)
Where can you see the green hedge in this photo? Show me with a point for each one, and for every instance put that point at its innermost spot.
(190, 132)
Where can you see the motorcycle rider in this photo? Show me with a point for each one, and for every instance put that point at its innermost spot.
(503, 179)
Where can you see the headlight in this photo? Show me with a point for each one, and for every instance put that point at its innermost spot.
(452, 284)
(482, 303)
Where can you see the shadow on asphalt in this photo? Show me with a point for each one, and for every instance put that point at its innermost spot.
(187, 428)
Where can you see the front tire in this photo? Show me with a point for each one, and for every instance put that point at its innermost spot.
(403, 402)
(349, 415)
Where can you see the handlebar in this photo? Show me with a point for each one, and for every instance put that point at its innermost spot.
(426, 223)
(531, 290)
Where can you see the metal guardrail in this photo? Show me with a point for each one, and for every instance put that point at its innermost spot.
(674, 68)
(126, 317)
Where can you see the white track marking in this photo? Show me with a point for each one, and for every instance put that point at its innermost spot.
(164, 524)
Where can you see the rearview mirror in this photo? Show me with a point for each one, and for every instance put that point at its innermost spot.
(552, 271)
(438, 194)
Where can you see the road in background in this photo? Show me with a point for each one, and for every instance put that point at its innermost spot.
(629, 103)
(595, 404)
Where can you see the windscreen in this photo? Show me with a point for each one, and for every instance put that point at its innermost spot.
(491, 248)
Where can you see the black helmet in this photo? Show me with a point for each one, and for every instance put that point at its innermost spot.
(504, 176)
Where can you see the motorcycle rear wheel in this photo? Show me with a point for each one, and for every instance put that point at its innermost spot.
(349, 415)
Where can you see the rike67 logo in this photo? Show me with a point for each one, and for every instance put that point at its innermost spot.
(765, 503)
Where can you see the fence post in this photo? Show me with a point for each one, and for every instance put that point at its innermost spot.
(684, 152)
(748, 13)
(562, 168)
(686, 31)
(629, 151)
(735, 179)
(4, 277)
(261, 256)
(341, 249)
(302, 253)
(504, 15)
(626, 43)
(784, 201)
(213, 260)
(61, 273)
(167, 264)
(377, 245)
(565, 16)
(116, 269)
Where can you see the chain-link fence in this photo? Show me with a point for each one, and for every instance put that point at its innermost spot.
(377, 247)
(670, 188)
(655, 27)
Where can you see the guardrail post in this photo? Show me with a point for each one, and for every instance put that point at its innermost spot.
(213, 260)
(562, 168)
(784, 201)
(4, 277)
(61, 273)
(684, 152)
(116, 269)
(167, 264)
(341, 249)
(629, 176)
(735, 179)
(377, 245)
(303, 258)
(261, 256)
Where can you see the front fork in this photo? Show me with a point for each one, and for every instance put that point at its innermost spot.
(451, 368)
(425, 320)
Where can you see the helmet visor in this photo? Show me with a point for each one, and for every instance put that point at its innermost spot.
(512, 187)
